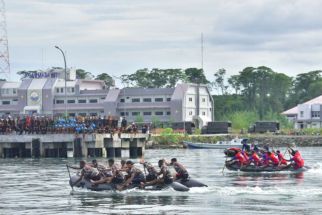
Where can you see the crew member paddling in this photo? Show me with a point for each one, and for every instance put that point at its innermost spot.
(273, 159)
(116, 177)
(166, 177)
(282, 160)
(239, 159)
(254, 158)
(181, 171)
(296, 161)
(87, 172)
(136, 176)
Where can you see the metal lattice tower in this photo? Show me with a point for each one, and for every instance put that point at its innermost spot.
(4, 49)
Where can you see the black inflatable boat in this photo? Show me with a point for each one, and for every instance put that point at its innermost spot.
(252, 168)
(112, 187)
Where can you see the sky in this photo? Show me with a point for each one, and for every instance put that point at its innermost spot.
(121, 36)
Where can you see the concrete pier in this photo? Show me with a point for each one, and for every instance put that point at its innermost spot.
(71, 145)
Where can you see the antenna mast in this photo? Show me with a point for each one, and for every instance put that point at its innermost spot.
(4, 49)
(202, 51)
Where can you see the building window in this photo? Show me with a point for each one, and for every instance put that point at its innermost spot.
(122, 100)
(15, 100)
(57, 90)
(315, 114)
(73, 89)
(203, 100)
(82, 114)
(14, 91)
(135, 113)
(159, 113)
(72, 114)
(102, 98)
(190, 99)
(168, 113)
(61, 90)
(59, 101)
(6, 102)
(82, 101)
(93, 114)
(93, 101)
(124, 113)
(158, 99)
(301, 113)
(168, 99)
(190, 113)
(147, 113)
(71, 101)
(147, 100)
(135, 100)
(204, 113)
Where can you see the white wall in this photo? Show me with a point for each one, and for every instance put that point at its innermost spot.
(305, 109)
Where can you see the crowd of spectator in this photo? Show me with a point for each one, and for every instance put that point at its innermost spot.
(78, 125)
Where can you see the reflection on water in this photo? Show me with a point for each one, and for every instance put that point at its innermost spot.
(117, 199)
(40, 186)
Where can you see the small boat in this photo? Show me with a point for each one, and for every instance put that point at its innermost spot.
(252, 168)
(217, 145)
(112, 187)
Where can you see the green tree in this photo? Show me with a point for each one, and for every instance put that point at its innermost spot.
(219, 82)
(82, 74)
(109, 81)
(234, 83)
(155, 78)
(305, 87)
(139, 119)
(26, 74)
(173, 76)
(195, 75)
(261, 88)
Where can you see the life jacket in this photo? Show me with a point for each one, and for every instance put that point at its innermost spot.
(281, 159)
(245, 155)
(255, 158)
(265, 159)
(274, 159)
(298, 160)
(241, 159)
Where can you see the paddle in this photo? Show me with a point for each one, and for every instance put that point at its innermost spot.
(224, 166)
(70, 178)
(142, 162)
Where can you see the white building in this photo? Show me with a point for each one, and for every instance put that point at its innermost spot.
(306, 115)
(44, 94)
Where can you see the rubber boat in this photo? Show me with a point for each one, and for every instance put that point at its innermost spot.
(112, 187)
(252, 168)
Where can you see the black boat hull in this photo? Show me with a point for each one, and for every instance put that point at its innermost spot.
(191, 183)
(112, 187)
(252, 168)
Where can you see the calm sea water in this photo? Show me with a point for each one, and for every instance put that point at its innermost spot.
(31, 186)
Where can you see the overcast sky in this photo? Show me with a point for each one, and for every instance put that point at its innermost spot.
(121, 36)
